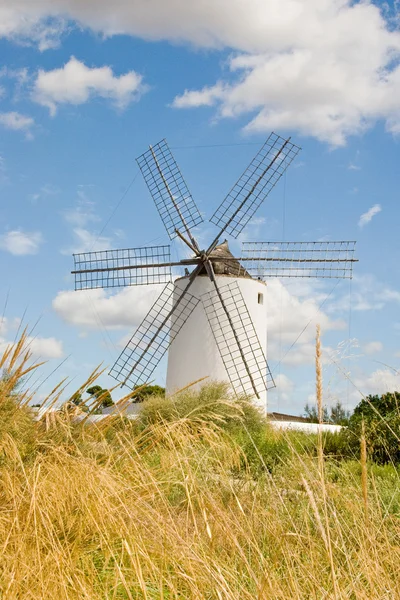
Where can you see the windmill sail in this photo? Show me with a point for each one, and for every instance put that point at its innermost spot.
(171, 195)
(251, 189)
(299, 259)
(237, 340)
(152, 338)
(121, 268)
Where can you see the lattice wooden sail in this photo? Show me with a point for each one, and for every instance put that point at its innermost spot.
(170, 193)
(237, 340)
(147, 346)
(122, 268)
(299, 259)
(254, 185)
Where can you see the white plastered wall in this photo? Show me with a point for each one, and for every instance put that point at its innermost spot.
(194, 354)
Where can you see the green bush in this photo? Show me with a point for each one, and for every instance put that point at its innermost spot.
(381, 416)
(263, 448)
(212, 403)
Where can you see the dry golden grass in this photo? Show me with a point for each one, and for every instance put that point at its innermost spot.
(171, 511)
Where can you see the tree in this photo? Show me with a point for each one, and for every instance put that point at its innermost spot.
(77, 399)
(311, 413)
(146, 391)
(337, 414)
(381, 416)
(97, 392)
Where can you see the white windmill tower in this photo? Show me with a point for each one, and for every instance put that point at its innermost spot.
(213, 320)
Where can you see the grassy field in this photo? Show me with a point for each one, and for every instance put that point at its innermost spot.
(199, 498)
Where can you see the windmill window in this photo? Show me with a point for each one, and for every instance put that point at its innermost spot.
(260, 298)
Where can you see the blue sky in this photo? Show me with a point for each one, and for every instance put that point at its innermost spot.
(85, 87)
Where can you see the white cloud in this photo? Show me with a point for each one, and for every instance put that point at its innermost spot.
(284, 388)
(83, 212)
(16, 121)
(98, 309)
(289, 313)
(49, 189)
(7, 325)
(45, 347)
(368, 293)
(372, 347)
(29, 23)
(19, 242)
(79, 216)
(75, 83)
(208, 96)
(315, 79)
(86, 241)
(295, 64)
(20, 78)
(40, 347)
(45, 191)
(3, 170)
(255, 226)
(367, 216)
(380, 381)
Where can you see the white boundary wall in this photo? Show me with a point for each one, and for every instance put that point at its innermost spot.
(307, 427)
(194, 354)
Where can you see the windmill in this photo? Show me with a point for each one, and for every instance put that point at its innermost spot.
(212, 320)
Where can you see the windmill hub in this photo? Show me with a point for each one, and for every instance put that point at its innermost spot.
(221, 300)
(223, 262)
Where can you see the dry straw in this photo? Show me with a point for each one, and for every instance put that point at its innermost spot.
(172, 510)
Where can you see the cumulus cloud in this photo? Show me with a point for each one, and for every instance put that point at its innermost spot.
(368, 293)
(353, 167)
(40, 347)
(3, 170)
(284, 387)
(372, 347)
(45, 347)
(19, 243)
(98, 309)
(30, 23)
(321, 86)
(380, 381)
(84, 210)
(80, 216)
(369, 215)
(17, 122)
(7, 325)
(86, 241)
(47, 190)
(289, 313)
(19, 79)
(294, 64)
(75, 83)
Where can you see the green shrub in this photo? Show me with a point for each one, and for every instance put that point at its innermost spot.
(381, 416)
(212, 403)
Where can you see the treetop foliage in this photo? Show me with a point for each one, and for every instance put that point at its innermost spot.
(336, 415)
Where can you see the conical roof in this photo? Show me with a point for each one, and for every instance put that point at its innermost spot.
(226, 267)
